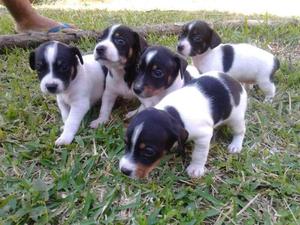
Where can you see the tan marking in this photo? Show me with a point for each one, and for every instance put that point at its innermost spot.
(154, 67)
(142, 145)
(143, 171)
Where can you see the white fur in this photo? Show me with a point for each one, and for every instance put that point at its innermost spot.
(85, 90)
(250, 65)
(150, 55)
(193, 108)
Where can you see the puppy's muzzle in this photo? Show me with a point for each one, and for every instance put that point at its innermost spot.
(52, 87)
(126, 171)
(180, 48)
(101, 50)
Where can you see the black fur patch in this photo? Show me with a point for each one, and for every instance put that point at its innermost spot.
(174, 113)
(234, 87)
(187, 77)
(218, 95)
(276, 66)
(228, 56)
(105, 72)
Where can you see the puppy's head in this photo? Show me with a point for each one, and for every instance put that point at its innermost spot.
(56, 65)
(157, 70)
(119, 45)
(150, 134)
(196, 37)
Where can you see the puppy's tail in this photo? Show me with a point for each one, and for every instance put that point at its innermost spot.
(276, 66)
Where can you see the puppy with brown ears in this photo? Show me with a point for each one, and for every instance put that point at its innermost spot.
(119, 49)
(189, 113)
(244, 62)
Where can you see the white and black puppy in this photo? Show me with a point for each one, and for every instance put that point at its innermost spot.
(160, 71)
(119, 49)
(244, 62)
(189, 113)
(77, 82)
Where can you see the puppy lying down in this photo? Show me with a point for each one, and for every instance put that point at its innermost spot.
(189, 113)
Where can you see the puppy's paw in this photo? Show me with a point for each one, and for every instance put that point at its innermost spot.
(63, 140)
(195, 170)
(268, 99)
(130, 114)
(96, 123)
(234, 148)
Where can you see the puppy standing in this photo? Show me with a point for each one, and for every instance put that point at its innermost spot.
(191, 113)
(160, 72)
(119, 49)
(244, 62)
(77, 82)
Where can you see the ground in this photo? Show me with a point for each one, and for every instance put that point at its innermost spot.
(81, 183)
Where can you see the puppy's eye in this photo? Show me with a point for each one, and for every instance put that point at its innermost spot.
(157, 73)
(148, 152)
(197, 38)
(99, 39)
(64, 68)
(39, 66)
(119, 41)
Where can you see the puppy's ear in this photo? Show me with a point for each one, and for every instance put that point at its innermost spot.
(215, 39)
(141, 43)
(77, 52)
(181, 63)
(32, 60)
(181, 135)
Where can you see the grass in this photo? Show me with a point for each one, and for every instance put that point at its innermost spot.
(81, 184)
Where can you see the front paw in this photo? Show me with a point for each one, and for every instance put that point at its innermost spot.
(63, 140)
(234, 148)
(195, 170)
(95, 123)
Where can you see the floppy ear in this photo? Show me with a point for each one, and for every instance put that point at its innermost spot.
(182, 64)
(181, 135)
(141, 43)
(32, 60)
(77, 52)
(215, 39)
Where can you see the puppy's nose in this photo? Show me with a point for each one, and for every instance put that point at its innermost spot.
(51, 87)
(127, 172)
(180, 48)
(138, 89)
(101, 50)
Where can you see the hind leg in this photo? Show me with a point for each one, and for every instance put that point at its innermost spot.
(269, 90)
(239, 128)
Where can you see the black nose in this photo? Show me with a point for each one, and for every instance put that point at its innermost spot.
(127, 172)
(138, 90)
(180, 48)
(101, 50)
(51, 87)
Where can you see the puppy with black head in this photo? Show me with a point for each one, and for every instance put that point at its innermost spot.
(160, 71)
(189, 113)
(76, 80)
(244, 62)
(119, 49)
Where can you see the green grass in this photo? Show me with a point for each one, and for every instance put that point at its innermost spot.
(81, 184)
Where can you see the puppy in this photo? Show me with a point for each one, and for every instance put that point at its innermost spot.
(119, 49)
(160, 71)
(244, 62)
(189, 113)
(77, 82)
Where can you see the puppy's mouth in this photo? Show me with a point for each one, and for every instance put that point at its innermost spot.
(101, 57)
(149, 92)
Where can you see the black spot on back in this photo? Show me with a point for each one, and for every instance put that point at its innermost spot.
(174, 113)
(228, 55)
(234, 87)
(218, 96)
(276, 66)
